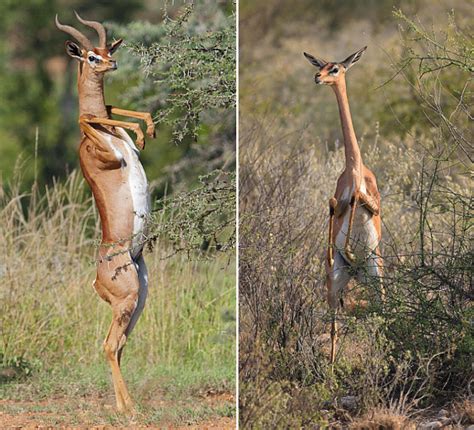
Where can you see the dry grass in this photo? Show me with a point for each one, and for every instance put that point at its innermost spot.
(463, 410)
(290, 157)
(53, 323)
(382, 419)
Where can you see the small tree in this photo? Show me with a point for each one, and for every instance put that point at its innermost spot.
(187, 78)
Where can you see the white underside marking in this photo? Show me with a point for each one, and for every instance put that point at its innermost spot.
(372, 269)
(339, 279)
(364, 238)
(139, 190)
(126, 151)
(340, 275)
(108, 138)
(345, 195)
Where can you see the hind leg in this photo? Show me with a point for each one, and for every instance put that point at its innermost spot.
(337, 278)
(117, 282)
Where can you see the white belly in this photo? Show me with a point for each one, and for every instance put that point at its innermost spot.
(138, 185)
(364, 238)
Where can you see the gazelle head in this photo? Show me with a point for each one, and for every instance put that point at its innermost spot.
(330, 73)
(97, 59)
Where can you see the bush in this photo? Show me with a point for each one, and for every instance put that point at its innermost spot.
(415, 351)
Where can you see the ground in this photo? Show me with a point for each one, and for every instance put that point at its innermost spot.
(203, 410)
(165, 397)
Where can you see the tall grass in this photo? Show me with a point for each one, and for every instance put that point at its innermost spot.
(414, 352)
(53, 321)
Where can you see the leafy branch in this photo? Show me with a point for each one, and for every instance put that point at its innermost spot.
(200, 220)
(190, 70)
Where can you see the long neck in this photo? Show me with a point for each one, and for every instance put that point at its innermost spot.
(352, 151)
(91, 93)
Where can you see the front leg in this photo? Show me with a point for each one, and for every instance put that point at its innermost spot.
(128, 125)
(103, 151)
(347, 248)
(332, 210)
(144, 116)
(371, 203)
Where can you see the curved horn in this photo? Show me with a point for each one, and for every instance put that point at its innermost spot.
(97, 26)
(83, 40)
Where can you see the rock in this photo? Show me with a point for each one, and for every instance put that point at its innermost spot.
(471, 427)
(8, 373)
(442, 413)
(349, 402)
(432, 425)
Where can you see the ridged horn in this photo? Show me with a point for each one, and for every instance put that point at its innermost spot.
(97, 26)
(83, 40)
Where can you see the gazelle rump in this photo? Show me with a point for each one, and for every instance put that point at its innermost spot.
(110, 163)
(354, 211)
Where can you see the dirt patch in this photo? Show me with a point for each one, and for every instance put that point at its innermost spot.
(219, 423)
(213, 396)
(96, 412)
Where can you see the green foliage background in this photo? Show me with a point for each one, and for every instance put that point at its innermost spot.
(178, 62)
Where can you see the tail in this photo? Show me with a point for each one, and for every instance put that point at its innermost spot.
(142, 293)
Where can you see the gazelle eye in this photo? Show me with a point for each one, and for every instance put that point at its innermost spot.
(334, 70)
(93, 59)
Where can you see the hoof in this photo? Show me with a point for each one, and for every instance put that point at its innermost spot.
(140, 143)
(350, 256)
(150, 131)
(127, 409)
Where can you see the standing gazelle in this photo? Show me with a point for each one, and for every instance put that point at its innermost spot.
(354, 211)
(110, 164)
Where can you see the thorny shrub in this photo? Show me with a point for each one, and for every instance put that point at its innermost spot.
(415, 351)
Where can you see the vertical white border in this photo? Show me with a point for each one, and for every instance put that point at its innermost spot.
(237, 214)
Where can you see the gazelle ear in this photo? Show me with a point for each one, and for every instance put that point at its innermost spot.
(315, 61)
(114, 46)
(351, 59)
(74, 51)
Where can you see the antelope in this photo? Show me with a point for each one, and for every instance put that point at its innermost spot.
(354, 211)
(110, 163)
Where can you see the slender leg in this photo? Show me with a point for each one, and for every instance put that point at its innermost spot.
(117, 282)
(114, 342)
(330, 253)
(347, 247)
(337, 279)
(112, 122)
(372, 204)
(103, 152)
(145, 116)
